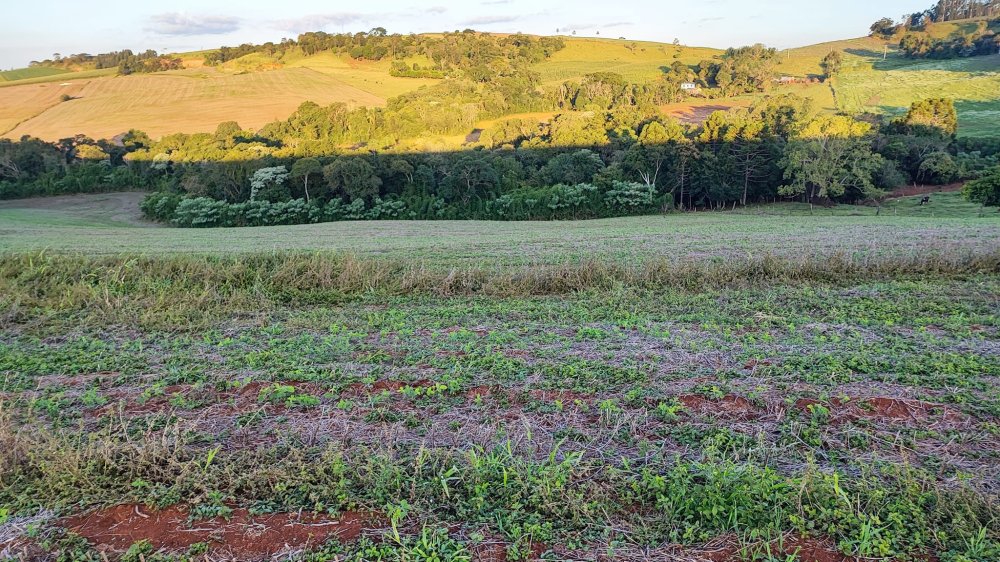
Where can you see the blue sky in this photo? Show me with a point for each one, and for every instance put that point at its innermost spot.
(36, 29)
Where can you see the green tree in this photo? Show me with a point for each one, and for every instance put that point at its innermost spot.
(884, 28)
(572, 168)
(268, 184)
(227, 130)
(304, 169)
(91, 152)
(470, 176)
(831, 158)
(985, 190)
(832, 63)
(938, 168)
(352, 176)
(932, 117)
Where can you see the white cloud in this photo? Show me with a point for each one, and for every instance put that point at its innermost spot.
(178, 24)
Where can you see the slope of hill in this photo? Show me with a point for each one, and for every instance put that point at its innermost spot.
(257, 89)
(29, 73)
(188, 101)
(638, 61)
(974, 84)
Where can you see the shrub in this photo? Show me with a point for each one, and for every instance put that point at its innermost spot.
(986, 190)
(630, 197)
(160, 206)
(200, 212)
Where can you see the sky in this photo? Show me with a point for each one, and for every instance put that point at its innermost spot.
(36, 29)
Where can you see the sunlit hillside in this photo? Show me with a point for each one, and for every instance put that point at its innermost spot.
(257, 88)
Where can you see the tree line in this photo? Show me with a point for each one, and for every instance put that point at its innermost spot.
(480, 57)
(776, 149)
(917, 41)
(125, 61)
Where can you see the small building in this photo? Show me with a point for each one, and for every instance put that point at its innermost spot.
(689, 86)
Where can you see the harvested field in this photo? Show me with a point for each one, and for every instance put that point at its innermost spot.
(636, 405)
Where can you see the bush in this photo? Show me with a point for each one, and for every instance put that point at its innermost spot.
(986, 190)
(200, 212)
(548, 203)
(160, 206)
(630, 197)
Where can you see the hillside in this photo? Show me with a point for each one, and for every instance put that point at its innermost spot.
(256, 89)
(190, 100)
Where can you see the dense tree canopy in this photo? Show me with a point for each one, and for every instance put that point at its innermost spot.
(985, 190)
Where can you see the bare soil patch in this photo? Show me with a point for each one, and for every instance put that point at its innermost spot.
(242, 536)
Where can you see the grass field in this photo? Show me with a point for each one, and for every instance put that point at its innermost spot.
(29, 73)
(761, 386)
(973, 84)
(642, 64)
(99, 224)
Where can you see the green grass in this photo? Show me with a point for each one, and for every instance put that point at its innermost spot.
(943, 205)
(108, 224)
(642, 64)
(63, 76)
(28, 73)
(889, 88)
(621, 417)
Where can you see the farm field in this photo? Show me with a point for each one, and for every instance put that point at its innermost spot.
(186, 101)
(711, 387)
(110, 224)
(192, 100)
(29, 73)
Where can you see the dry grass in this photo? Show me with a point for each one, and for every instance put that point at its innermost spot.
(186, 101)
(25, 102)
(372, 77)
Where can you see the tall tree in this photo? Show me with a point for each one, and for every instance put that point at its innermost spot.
(352, 177)
(304, 169)
(985, 190)
(831, 158)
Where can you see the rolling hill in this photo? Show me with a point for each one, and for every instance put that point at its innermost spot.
(257, 89)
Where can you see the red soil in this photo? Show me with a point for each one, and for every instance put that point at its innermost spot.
(730, 405)
(479, 392)
(808, 550)
(361, 389)
(243, 537)
(881, 408)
